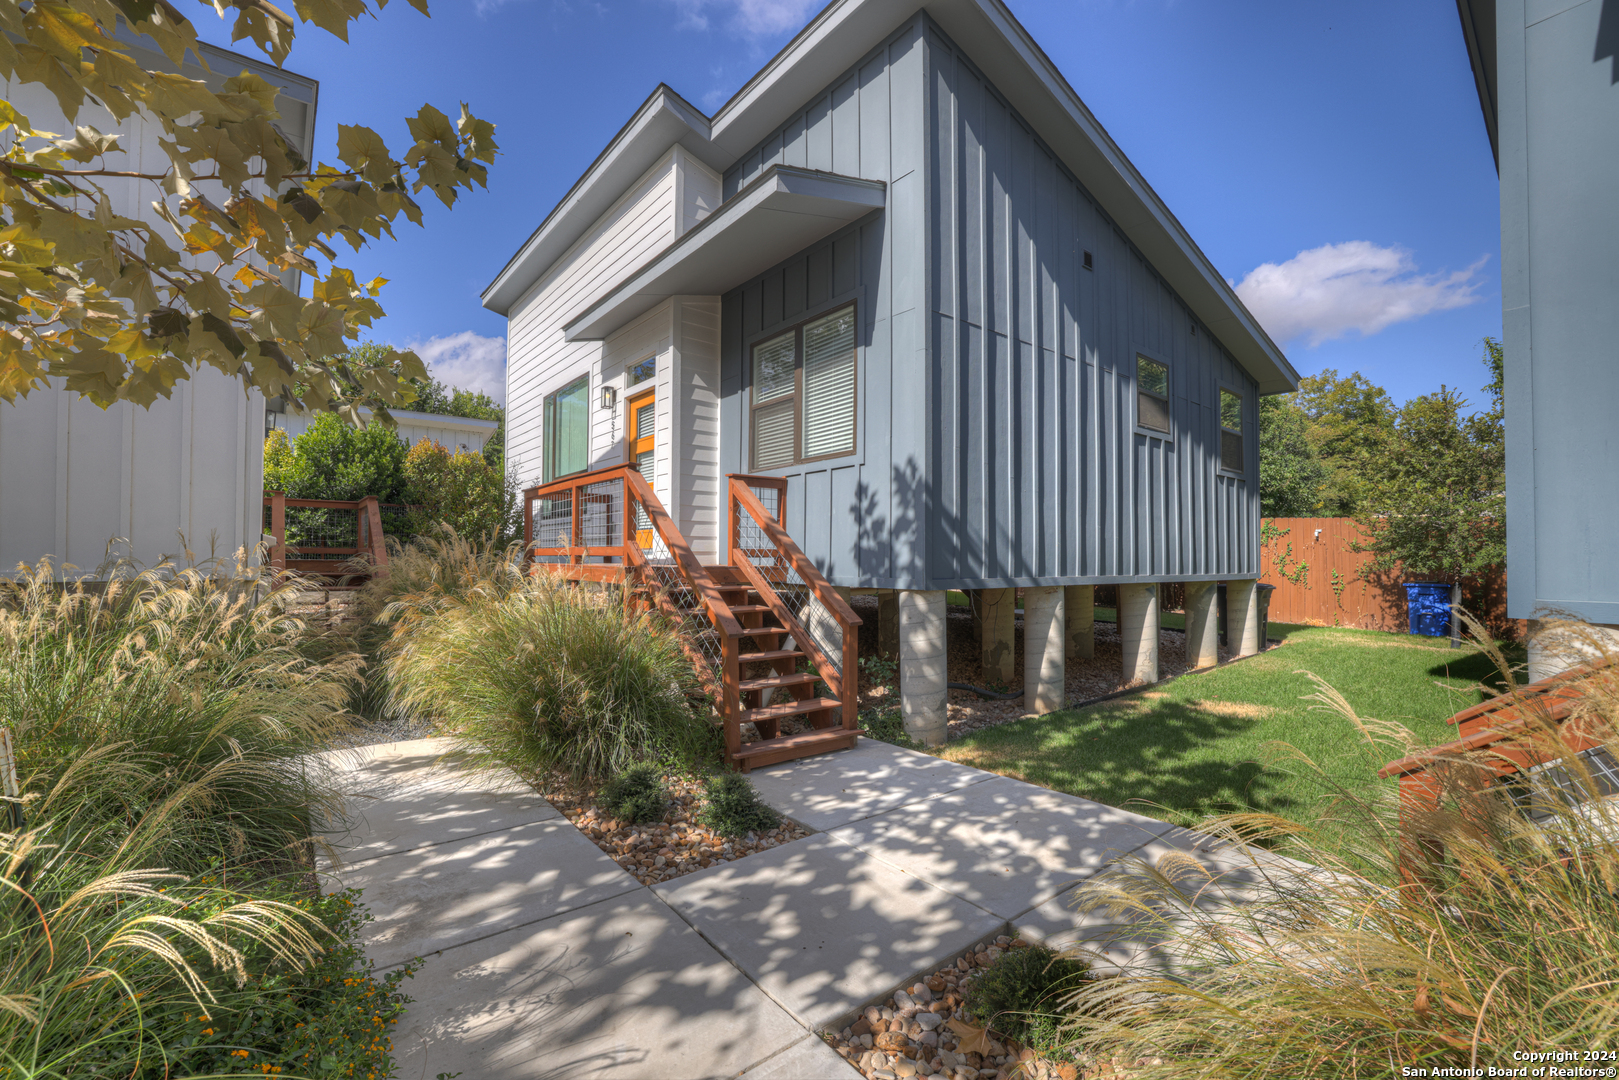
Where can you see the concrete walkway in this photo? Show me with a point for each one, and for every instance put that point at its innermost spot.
(546, 959)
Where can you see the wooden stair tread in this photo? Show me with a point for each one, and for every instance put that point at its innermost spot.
(769, 654)
(791, 708)
(748, 609)
(760, 631)
(775, 682)
(793, 742)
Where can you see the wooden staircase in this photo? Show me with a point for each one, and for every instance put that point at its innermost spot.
(765, 631)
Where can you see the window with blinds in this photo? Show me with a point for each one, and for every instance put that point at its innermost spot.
(1231, 431)
(803, 392)
(1152, 394)
(567, 430)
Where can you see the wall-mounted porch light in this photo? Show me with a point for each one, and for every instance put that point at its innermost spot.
(609, 397)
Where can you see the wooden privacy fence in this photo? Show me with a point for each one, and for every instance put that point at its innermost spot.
(1333, 592)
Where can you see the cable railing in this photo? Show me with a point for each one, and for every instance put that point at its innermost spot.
(820, 621)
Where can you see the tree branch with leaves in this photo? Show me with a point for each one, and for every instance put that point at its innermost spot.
(119, 308)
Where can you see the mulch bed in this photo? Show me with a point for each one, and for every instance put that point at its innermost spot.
(898, 1038)
(671, 848)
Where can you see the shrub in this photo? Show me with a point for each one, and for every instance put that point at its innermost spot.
(733, 808)
(636, 795)
(547, 677)
(335, 460)
(462, 491)
(1498, 935)
(1021, 994)
(182, 696)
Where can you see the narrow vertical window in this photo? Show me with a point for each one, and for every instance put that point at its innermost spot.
(803, 394)
(1152, 394)
(567, 430)
(829, 403)
(1231, 456)
(775, 401)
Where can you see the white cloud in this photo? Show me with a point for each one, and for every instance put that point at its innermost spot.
(466, 360)
(753, 18)
(1326, 292)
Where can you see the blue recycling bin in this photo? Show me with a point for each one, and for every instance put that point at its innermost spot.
(1428, 607)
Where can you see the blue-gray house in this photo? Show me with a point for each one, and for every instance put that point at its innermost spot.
(906, 276)
(1548, 83)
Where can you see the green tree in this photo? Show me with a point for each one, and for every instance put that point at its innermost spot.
(1349, 416)
(1433, 494)
(117, 308)
(1291, 478)
(335, 460)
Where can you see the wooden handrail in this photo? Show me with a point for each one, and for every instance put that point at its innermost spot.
(719, 612)
(807, 570)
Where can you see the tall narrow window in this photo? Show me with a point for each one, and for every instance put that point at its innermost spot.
(803, 394)
(1231, 431)
(1152, 394)
(567, 430)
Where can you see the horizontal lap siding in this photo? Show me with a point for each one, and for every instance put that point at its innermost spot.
(1038, 473)
(858, 517)
(539, 361)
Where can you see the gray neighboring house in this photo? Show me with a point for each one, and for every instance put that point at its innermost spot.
(906, 269)
(1548, 83)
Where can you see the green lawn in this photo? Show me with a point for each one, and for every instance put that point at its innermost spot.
(1194, 745)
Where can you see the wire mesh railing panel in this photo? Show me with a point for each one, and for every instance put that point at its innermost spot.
(769, 497)
(601, 515)
(553, 524)
(316, 530)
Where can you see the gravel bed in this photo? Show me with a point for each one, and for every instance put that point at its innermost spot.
(923, 1031)
(671, 848)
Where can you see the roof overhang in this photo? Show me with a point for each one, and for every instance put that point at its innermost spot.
(837, 39)
(663, 121)
(782, 212)
(1478, 30)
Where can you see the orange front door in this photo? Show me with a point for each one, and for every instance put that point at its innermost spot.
(641, 451)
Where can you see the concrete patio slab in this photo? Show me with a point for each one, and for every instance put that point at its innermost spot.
(810, 1059)
(618, 989)
(823, 927)
(834, 789)
(1004, 845)
(432, 898)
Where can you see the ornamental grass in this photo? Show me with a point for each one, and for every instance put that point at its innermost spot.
(547, 678)
(1495, 936)
(158, 915)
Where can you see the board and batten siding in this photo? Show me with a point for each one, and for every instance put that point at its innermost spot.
(996, 436)
(1038, 471)
(858, 516)
(182, 479)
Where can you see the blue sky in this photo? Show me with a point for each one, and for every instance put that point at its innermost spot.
(1330, 159)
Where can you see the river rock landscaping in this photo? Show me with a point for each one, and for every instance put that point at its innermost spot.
(924, 1031)
(678, 844)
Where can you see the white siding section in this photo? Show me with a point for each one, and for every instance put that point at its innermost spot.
(698, 489)
(538, 360)
(74, 477)
(683, 334)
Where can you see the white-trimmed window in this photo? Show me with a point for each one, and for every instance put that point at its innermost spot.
(567, 430)
(802, 394)
(1152, 394)
(1231, 456)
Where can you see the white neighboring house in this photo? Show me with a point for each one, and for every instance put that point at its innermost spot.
(455, 433)
(72, 476)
